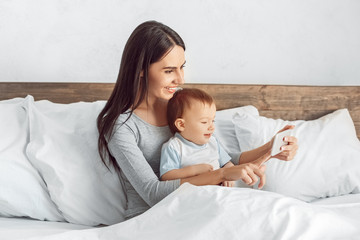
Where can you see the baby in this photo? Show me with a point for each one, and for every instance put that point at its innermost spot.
(193, 149)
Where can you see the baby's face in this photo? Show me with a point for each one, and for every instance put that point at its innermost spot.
(199, 122)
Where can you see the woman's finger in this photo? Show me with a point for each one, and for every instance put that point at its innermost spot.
(247, 179)
(288, 152)
(291, 140)
(253, 176)
(261, 173)
(289, 148)
(285, 155)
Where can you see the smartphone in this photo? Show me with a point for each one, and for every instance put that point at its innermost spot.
(279, 141)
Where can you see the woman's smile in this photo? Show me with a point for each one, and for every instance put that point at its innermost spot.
(171, 89)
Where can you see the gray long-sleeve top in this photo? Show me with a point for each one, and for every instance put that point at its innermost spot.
(136, 146)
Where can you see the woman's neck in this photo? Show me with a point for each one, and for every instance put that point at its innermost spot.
(153, 113)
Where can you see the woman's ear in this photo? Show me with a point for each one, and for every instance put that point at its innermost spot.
(180, 124)
(142, 74)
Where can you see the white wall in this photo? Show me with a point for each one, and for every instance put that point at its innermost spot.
(311, 42)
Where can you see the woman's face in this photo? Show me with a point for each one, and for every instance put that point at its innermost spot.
(166, 75)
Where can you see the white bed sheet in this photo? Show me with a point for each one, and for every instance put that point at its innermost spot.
(19, 228)
(212, 212)
(344, 199)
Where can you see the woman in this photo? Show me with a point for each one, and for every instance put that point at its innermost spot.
(133, 126)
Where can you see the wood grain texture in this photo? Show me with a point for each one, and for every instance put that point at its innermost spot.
(275, 101)
(57, 92)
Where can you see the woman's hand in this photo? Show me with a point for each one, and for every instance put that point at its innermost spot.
(289, 150)
(249, 173)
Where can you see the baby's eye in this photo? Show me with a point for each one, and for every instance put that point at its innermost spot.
(204, 122)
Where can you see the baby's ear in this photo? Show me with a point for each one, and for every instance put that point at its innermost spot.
(180, 124)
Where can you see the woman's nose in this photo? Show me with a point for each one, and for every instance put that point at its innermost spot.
(180, 78)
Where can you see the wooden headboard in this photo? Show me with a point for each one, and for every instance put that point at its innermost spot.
(275, 101)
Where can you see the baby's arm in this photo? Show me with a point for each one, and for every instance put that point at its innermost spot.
(186, 172)
(228, 183)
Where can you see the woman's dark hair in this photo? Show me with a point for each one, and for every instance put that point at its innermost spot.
(182, 100)
(147, 44)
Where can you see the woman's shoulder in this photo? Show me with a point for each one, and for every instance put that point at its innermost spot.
(124, 117)
(125, 121)
(132, 121)
(131, 125)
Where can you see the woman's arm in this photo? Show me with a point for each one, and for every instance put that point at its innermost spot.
(186, 172)
(247, 172)
(137, 170)
(256, 153)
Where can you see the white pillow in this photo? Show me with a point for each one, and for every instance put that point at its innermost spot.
(22, 190)
(224, 127)
(63, 147)
(327, 162)
(225, 133)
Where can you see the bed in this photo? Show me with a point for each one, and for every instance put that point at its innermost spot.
(53, 186)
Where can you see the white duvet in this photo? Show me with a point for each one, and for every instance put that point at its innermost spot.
(212, 212)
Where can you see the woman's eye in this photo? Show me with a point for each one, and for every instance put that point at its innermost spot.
(169, 71)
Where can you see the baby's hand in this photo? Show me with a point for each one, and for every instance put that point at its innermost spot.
(228, 183)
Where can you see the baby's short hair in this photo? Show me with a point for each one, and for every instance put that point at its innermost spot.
(181, 100)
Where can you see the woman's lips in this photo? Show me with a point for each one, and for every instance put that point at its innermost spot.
(171, 89)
